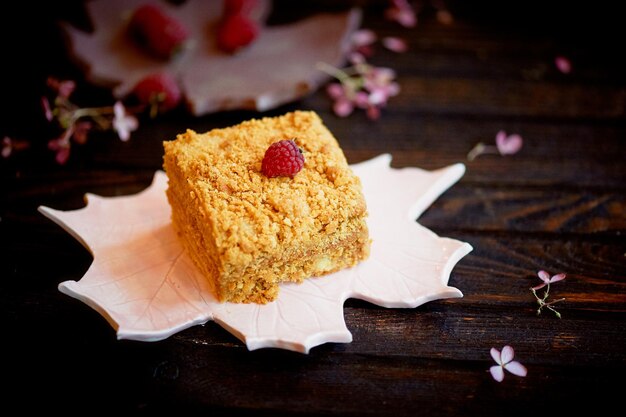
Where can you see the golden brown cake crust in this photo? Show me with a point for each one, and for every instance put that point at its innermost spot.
(245, 220)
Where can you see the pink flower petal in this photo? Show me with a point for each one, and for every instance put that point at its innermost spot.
(343, 107)
(383, 74)
(403, 13)
(544, 276)
(540, 286)
(62, 155)
(356, 58)
(361, 100)
(407, 18)
(501, 136)
(563, 64)
(363, 37)
(516, 368)
(507, 354)
(46, 109)
(508, 145)
(395, 44)
(495, 354)
(66, 88)
(123, 123)
(377, 97)
(7, 147)
(393, 89)
(335, 91)
(558, 277)
(497, 372)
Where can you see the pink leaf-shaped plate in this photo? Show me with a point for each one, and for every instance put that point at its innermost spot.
(144, 284)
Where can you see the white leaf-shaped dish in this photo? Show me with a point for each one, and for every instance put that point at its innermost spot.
(144, 284)
(278, 67)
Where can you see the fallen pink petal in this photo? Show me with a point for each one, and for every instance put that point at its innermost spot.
(62, 156)
(508, 144)
(402, 12)
(47, 111)
(563, 64)
(7, 147)
(497, 372)
(545, 277)
(507, 355)
(363, 37)
(504, 361)
(516, 368)
(335, 91)
(356, 58)
(122, 122)
(343, 107)
(395, 44)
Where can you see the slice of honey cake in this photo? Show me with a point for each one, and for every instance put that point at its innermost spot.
(247, 231)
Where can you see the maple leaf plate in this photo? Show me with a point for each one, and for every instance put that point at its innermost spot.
(142, 281)
(277, 68)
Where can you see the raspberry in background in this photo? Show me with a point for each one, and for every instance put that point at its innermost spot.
(236, 29)
(282, 159)
(235, 32)
(159, 91)
(158, 33)
(242, 7)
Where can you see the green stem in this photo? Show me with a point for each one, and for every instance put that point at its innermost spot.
(342, 76)
(481, 149)
(542, 301)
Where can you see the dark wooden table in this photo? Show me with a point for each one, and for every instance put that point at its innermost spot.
(558, 205)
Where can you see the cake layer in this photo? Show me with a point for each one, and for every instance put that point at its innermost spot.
(247, 232)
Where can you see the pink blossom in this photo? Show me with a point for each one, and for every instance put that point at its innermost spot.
(362, 86)
(379, 81)
(545, 277)
(7, 147)
(346, 98)
(343, 105)
(504, 361)
(362, 42)
(508, 145)
(123, 123)
(563, 64)
(395, 44)
(402, 12)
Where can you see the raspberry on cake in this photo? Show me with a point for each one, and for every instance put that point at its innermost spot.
(282, 158)
(247, 232)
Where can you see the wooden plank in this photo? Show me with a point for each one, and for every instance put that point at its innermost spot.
(269, 382)
(497, 306)
(458, 95)
(554, 153)
(467, 206)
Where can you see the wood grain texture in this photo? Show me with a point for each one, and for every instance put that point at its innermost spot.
(558, 205)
